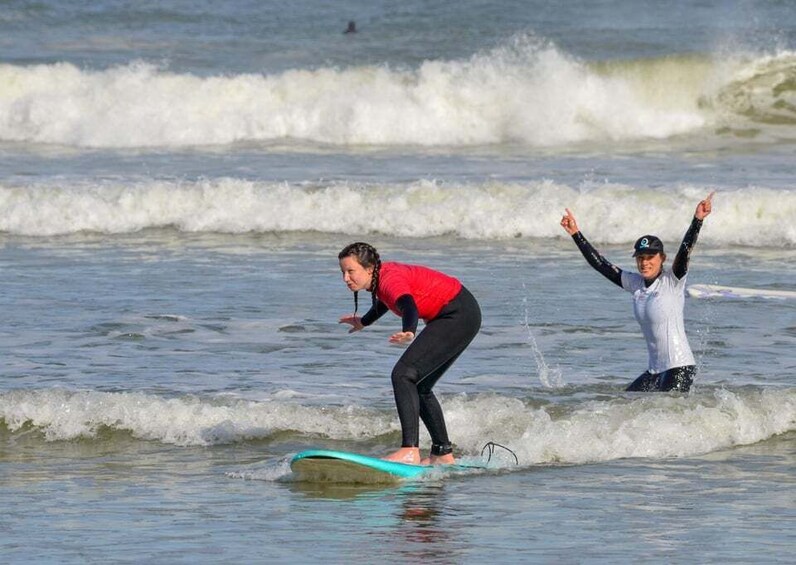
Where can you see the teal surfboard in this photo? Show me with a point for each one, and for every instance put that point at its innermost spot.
(322, 465)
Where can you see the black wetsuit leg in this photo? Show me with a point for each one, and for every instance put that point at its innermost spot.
(423, 363)
(677, 378)
(644, 383)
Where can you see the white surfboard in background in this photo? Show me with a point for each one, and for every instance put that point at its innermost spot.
(716, 291)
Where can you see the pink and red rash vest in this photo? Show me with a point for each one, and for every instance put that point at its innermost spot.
(430, 289)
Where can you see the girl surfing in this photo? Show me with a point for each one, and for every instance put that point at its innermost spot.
(452, 317)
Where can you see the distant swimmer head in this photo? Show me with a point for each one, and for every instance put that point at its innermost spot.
(352, 27)
(648, 245)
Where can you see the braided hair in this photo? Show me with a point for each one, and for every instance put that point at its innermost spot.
(367, 256)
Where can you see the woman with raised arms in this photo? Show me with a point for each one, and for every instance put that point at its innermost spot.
(658, 301)
(452, 317)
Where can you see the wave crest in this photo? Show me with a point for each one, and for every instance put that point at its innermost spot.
(527, 92)
(653, 426)
(609, 213)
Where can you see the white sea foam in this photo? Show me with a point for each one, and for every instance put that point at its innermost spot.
(609, 213)
(527, 91)
(654, 426)
(650, 426)
(64, 415)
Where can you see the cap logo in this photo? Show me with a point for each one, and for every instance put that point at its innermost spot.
(644, 243)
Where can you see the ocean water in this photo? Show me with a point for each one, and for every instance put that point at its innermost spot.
(176, 179)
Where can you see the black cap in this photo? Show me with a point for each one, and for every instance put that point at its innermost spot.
(648, 245)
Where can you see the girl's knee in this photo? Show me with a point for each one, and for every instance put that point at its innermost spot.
(402, 373)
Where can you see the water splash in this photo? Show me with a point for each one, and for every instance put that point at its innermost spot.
(549, 377)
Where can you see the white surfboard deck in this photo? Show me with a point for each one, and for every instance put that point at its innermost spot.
(733, 292)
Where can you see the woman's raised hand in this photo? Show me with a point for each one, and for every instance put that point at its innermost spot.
(704, 207)
(569, 224)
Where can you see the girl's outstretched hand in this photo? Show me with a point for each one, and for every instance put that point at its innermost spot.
(569, 224)
(354, 321)
(402, 337)
(704, 208)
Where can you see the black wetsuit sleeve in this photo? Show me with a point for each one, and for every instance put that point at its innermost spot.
(409, 314)
(376, 311)
(680, 264)
(600, 263)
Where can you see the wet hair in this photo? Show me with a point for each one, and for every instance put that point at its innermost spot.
(367, 256)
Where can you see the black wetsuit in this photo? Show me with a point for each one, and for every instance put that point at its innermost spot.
(675, 378)
(426, 359)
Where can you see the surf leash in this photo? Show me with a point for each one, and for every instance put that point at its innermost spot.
(491, 445)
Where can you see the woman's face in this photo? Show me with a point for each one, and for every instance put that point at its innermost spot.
(649, 266)
(355, 276)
